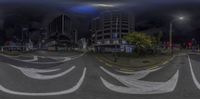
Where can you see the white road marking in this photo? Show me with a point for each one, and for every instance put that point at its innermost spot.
(139, 73)
(192, 73)
(135, 75)
(135, 86)
(35, 58)
(64, 59)
(74, 88)
(36, 73)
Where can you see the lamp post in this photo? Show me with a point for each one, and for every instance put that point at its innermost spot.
(170, 32)
(116, 38)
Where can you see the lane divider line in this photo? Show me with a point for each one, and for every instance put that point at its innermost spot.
(192, 73)
(68, 91)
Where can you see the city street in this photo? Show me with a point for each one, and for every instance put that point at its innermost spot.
(99, 49)
(82, 76)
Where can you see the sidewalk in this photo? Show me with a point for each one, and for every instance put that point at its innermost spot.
(132, 63)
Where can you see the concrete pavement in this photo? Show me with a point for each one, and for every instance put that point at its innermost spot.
(84, 80)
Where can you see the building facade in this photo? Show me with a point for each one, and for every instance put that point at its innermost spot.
(109, 28)
(61, 32)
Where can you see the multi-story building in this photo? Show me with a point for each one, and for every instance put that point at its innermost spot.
(109, 29)
(61, 31)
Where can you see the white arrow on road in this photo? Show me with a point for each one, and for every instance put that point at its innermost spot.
(74, 88)
(61, 59)
(135, 86)
(36, 73)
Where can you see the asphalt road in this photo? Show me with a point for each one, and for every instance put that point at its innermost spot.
(82, 76)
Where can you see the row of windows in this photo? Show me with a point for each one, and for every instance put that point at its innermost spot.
(108, 23)
(114, 22)
(109, 36)
(113, 30)
(114, 25)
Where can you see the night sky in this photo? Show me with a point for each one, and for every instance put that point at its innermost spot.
(148, 13)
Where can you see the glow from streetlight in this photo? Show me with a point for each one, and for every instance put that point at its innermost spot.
(181, 18)
(104, 5)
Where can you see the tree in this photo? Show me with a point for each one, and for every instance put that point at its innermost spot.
(141, 40)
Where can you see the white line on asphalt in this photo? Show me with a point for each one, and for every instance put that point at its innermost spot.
(74, 88)
(35, 58)
(135, 86)
(135, 75)
(193, 75)
(65, 59)
(169, 60)
(36, 73)
(145, 72)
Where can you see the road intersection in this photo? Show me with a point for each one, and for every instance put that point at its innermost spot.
(84, 77)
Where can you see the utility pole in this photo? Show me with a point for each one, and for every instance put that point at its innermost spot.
(116, 35)
(170, 38)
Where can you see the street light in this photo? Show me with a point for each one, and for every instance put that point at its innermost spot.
(103, 5)
(180, 18)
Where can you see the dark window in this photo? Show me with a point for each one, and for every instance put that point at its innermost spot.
(124, 22)
(124, 26)
(106, 26)
(100, 37)
(107, 31)
(106, 36)
(99, 32)
(107, 23)
(114, 30)
(125, 31)
(114, 26)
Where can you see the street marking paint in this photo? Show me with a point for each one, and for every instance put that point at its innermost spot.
(74, 88)
(62, 61)
(192, 73)
(135, 86)
(36, 73)
(141, 73)
(35, 58)
(65, 59)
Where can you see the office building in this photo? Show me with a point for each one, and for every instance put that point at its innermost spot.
(109, 28)
(61, 32)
